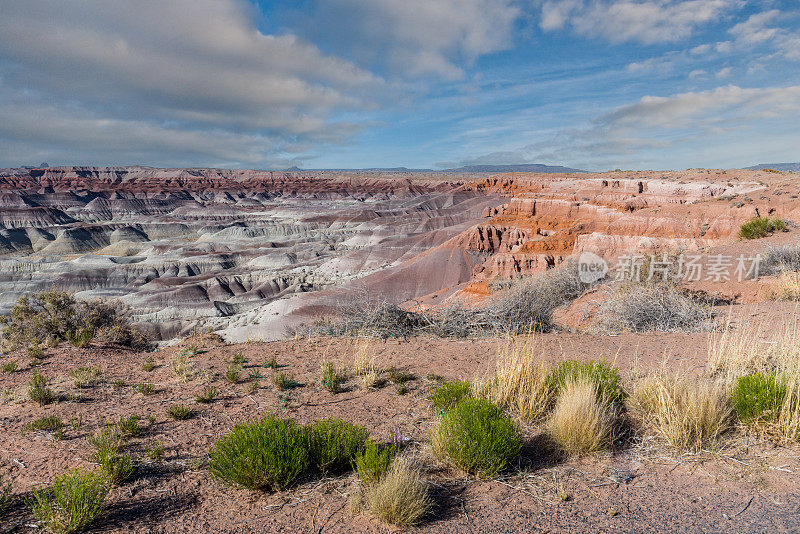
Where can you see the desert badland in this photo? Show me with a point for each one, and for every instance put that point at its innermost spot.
(331, 296)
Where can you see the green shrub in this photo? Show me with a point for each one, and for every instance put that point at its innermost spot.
(330, 377)
(374, 460)
(605, 378)
(759, 227)
(117, 466)
(333, 444)
(85, 376)
(5, 495)
(272, 363)
(477, 437)
(53, 316)
(206, 395)
(38, 390)
(106, 439)
(148, 364)
(445, 396)
(50, 423)
(155, 451)
(73, 501)
(145, 388)
(284, 381)
(179, 412)
(263, 454)
(233, 373)
(758, 397)
(128, 427)
(9, 367)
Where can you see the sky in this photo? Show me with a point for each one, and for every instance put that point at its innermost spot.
(591, 84)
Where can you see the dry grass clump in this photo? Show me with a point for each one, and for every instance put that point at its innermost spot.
(581, 422)
(86, 376)
(520, 383)
(364, 366)
(400, 498)
(183, 368)
(734, 352)
(779, 259)
(637, 307)
(785, 286)
(689, 413)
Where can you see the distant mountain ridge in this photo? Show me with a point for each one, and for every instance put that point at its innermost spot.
(784, 167)
(525, 167)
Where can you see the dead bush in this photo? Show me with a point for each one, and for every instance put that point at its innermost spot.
(637, 307)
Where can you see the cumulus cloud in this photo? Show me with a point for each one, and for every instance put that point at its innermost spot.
(183, 71)
(419, 37)
(644, 21)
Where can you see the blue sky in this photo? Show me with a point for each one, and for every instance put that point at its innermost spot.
(595, 84)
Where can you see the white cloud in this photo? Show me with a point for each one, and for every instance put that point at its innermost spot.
(726, 123)
(762, 28)
(181, 67)
(645, 21)
(420, 37)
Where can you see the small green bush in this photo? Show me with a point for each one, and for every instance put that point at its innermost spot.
(445, 396)
(53, 316)
(272, 363)
(9, 367)
(155, 451)
(148, 364)
(759, 227)
(85, 376)
(73, 501)
(477, 437)
(144, 388)
(179, 412)
(117, 466)
(38, 390)
(330, 377)
(206, 395)
(233, 373)
(605, 378)
(128, 427)
(263, 454)
(374, 460)
(333, 444)
(284, 381)
(5, 495)
(106, 439)
(758, 397)
(50, 423)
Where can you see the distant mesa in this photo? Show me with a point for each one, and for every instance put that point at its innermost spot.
(783, 167)
(527, 167)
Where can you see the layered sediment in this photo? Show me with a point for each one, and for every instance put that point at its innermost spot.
(250, 252)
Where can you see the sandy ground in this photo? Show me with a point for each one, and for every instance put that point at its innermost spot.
(748, 485)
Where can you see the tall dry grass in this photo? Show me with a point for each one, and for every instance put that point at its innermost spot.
(364, 366)
(689, 413)
(520, 381)
(581, 423)
(785, 286)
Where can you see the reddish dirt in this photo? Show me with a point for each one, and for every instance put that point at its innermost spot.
(748, 485)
